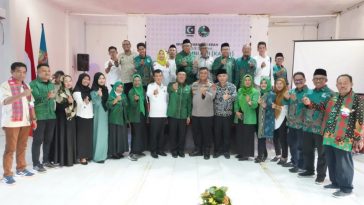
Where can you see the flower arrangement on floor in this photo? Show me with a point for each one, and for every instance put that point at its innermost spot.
(215, 196)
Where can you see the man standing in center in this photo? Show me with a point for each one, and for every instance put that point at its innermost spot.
(203, 92)
(179, 113)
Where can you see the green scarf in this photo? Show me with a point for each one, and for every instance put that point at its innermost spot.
(269, 85)
(113, 94)
(246, 90)
(139, 91)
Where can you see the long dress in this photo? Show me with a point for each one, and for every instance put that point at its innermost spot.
(100, 130)
(266, 116)
(138, 125)
(118, 130)
(84, 127)
(65, 134)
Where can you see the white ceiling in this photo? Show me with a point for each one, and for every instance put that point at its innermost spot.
(269, 7)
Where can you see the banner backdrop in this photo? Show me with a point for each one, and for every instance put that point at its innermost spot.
(162, 31)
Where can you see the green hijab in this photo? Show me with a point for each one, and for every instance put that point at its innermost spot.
(269, 85)
(246, 90)
(113, 94)
(139, 91)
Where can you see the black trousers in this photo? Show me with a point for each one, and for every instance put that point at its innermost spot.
(44, 134)
(245, 139)
(295, 138)
(310, 142)
(262, 148)
(138, 136)
(341, 168)
(222, 131)
(202, 133)
(280, 140)
(157, 139)
(177, 134)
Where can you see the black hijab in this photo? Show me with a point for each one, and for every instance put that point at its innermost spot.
(96, 87)
(84, 90)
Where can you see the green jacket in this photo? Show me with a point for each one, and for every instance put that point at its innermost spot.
(145, 71)
(249, 111)
(118, 112)
(313, 118)
(229, 67)
(180, 101)
(189, 58)
(44, 107)
(242, 68)
(133, 109)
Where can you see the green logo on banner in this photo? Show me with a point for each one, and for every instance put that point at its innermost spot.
(203, 31)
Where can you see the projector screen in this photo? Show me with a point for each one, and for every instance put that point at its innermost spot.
(335, 56)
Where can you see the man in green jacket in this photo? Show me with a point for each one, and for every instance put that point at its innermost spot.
(225, 62)
(312, 124)
(179, 113)
(43, 91)
(143, 65)
(184, 60)
(246, 65)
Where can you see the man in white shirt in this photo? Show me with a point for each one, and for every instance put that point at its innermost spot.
(17, 116)
(172, 52)
(112, 68)
(264, 67)
(204, 60)
(158, 99)
(127, 67)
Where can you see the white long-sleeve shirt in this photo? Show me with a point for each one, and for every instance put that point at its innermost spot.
(260, 72)
(83, 110)
(158, 103)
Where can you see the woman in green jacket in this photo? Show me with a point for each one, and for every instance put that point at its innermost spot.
(137, 116)
(118, 131)
(246, 118)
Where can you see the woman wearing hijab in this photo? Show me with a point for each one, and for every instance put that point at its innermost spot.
(118, 131)
(265, 118)
(246, 118)
(280, 112)
(161, 64)
(137, 117)
(84, 119)
(65, 137)
(99, 95)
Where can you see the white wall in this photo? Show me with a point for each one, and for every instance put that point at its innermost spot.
(39, 11)
(281, 40)
(327, 30)
(352, 24)
(258, 31)
(348, 25)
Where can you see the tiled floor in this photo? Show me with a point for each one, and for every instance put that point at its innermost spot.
(169, 181)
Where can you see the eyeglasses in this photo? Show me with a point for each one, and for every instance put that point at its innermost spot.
(319, 79)
(299, 81)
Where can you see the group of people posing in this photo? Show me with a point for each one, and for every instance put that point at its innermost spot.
(246, 96)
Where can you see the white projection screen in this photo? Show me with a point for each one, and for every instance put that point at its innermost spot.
(336, 56)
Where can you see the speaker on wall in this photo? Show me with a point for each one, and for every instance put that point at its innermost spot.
(83, 62)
